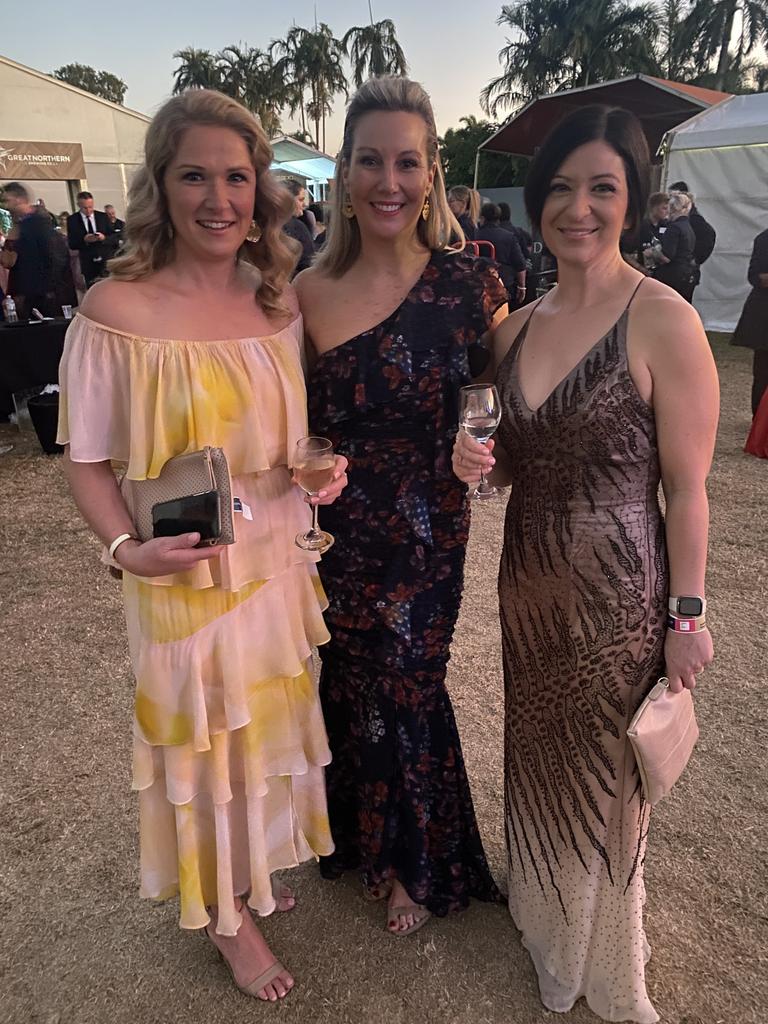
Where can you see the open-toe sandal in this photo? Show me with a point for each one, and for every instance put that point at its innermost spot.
(420, 915)
(254, 987)
(376, 893)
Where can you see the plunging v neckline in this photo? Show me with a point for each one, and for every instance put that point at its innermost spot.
(518, 347)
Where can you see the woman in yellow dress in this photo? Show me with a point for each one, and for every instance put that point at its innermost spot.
(229, 742)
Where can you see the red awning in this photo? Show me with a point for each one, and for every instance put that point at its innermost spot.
(660, 105)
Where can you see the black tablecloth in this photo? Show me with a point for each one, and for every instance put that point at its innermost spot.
(29, 355)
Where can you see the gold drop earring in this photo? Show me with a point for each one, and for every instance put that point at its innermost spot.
(347, 208)
(425, 209)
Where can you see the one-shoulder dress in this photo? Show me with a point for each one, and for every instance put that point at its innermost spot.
(399, 799)
(583, 596)
(229, 744)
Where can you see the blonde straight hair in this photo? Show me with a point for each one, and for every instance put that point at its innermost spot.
(149, 231)
(395, 95)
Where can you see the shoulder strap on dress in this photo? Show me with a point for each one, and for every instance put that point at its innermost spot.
(634, 293)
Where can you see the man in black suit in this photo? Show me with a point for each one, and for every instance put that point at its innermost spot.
(508, 253)
(90, 233)
(118, 226)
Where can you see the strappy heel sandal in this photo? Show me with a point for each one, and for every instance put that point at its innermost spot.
(254, 987)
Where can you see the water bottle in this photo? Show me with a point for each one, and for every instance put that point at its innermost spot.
(11, 316)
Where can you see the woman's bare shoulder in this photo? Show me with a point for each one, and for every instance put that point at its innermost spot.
(505, 334)
(311, 285)
(659, 315)
(116, 304)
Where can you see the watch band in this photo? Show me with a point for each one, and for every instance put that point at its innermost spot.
(674, 606)
(687, 625)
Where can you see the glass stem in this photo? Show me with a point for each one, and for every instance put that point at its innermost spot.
(315, 528)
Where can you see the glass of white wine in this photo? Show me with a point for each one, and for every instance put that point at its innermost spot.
(479, 416)
(313, 467)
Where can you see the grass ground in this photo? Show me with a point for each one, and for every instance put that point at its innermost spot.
(77, 946)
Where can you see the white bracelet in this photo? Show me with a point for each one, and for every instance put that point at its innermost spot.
(118, 541)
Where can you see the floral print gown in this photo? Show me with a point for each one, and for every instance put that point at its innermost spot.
(399, 798)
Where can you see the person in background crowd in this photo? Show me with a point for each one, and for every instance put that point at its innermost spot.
(460, 202)
(43, 210)
(675, 264)
(705, 234)
(524, 238)
(646, 241)
(90, 233)
(297, 226)
(508, 254)
(393, 320)
(6, 223)
(607, 386)
(61, 221)
(27, 255)
(752, 328)
(74, 258)
(118, 226)
(320, 212)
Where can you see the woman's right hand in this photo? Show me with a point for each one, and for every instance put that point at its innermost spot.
(163, 555)
(470, 457)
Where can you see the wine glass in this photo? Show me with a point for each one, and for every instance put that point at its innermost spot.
(479, 416)
(313, 467)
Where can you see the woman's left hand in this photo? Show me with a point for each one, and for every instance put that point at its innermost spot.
(330, 493)
(686, 655)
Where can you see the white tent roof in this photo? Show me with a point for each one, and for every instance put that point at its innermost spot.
(738, 121)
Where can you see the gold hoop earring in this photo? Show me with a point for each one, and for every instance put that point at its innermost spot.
(425, 209)
(347, 209)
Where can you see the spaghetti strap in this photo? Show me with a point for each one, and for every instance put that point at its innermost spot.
(634, 293)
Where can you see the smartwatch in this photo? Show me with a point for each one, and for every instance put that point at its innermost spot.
(687, 607)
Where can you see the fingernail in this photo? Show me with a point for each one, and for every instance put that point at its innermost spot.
(322, 494)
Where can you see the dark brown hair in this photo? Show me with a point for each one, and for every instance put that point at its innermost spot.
(619, 129)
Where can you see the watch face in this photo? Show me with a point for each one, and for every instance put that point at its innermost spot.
(689, 606)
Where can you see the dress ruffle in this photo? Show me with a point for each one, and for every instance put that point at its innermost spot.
(229, 742)
(221, 391)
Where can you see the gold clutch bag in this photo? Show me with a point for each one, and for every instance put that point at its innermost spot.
(185, 475)
(663, 733)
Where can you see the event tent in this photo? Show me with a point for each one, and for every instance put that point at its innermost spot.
(294, 159)
(722, 155)
(659, 104)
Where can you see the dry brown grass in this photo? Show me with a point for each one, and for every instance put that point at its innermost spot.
(78, 947)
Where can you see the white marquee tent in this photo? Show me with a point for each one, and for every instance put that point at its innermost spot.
(722, 155)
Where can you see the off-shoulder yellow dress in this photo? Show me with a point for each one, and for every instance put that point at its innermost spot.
(229, 742)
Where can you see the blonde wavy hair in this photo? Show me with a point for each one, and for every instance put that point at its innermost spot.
(150, 243)
(395, 95)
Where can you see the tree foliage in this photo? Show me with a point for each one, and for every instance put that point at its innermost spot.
(100, 83)
(458, 148)
(373, 50)
(302, 73)
(566, 44)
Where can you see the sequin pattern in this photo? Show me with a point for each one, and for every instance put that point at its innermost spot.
(582, 587)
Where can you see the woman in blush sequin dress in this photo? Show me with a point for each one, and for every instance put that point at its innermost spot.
(607, 387)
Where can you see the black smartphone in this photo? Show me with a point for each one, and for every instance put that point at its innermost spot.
(194, 513)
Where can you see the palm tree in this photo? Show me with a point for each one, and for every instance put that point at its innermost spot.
(374, 50)
(320, 55)
(609, 38)
(251, 76)
(715, 21)
(532, 63)
(198, 70)
(291, 69)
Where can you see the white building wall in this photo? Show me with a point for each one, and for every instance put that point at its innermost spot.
(35, 107)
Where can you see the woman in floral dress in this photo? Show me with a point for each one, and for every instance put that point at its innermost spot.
(395, 320)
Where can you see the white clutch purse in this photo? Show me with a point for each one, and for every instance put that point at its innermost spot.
(663, 733)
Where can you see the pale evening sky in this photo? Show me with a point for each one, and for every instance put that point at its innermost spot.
(452, 46)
